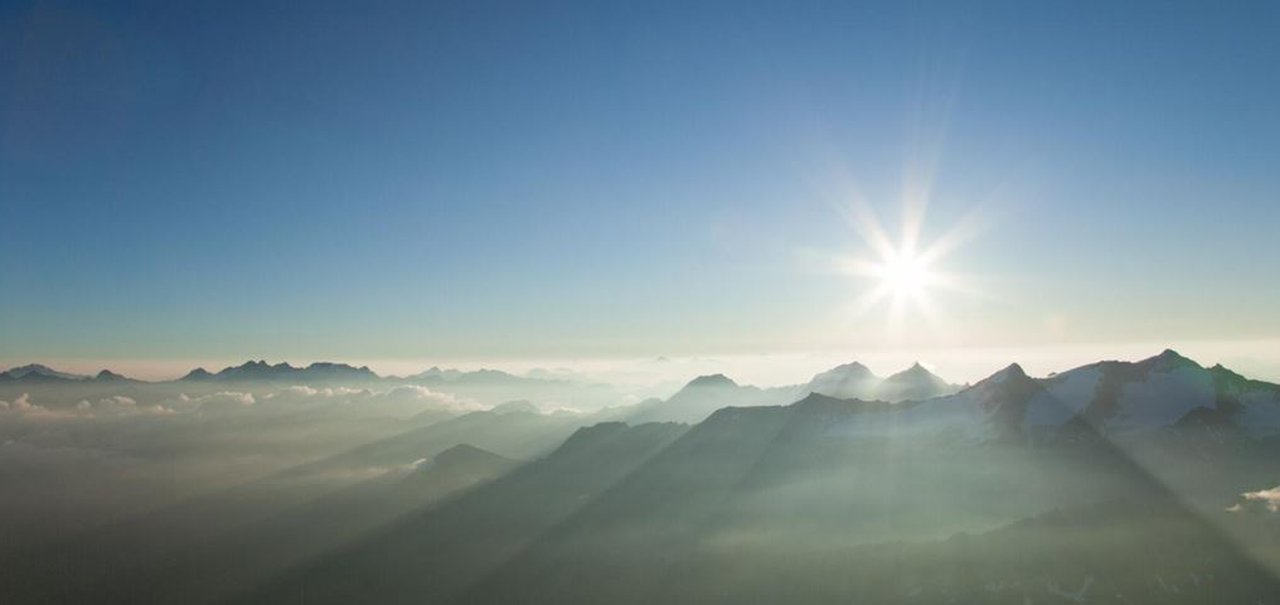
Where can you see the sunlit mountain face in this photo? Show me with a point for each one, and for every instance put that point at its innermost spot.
(499, 302)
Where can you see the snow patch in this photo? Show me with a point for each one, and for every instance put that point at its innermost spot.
(1162, 399)
(1063, 398)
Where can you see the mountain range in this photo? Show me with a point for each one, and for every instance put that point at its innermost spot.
(706, 394)
(1113, 478)
(35, 373)
(1109, 479)
(284, 372)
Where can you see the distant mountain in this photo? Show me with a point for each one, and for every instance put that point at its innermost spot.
(109, 376)
(41, 374)
(494, 387)
(706, 394)
(284, 372)
(702, 396)
(197, 374)
(37, 373)
(436, 557)
(913, 384)
(1106, 397)
(848, 381)
(458, 467)
(481, 377)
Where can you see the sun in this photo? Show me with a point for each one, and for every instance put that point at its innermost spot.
(905, 275)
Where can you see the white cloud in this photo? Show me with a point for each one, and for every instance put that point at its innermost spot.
(425, 398)
(1267, 500)
(223, 400)
(22, 406)
(307, 392)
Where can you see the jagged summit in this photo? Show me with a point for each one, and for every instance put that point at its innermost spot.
(1010, 373)
(1168, 359)
(261, 370)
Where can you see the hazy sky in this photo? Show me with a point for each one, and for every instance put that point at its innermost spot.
(502, 181)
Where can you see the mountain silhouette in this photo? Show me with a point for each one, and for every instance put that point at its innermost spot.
(284, 372)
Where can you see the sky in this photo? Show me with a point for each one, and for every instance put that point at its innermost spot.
(481, 182)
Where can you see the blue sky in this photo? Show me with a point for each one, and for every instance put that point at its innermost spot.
(481, 181)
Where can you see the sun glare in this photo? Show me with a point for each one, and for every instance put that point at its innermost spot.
(905, 275)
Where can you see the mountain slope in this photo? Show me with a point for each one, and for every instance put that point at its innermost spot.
(436, 556)
(39, 374)
(241, 555)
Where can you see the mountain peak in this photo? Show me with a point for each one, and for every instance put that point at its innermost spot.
(1010, 381)
(711, 380)
(109, 375)
(198, 374)
(916, 371)
(848, 371)
(38, 371)
(914, 383)
(464, 453)
(1168, 359)
(1012, 371)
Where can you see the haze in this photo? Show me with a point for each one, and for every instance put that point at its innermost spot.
(661, 302)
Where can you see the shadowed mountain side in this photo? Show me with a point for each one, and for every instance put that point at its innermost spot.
(789, 515)
(432, 557)
(517, 434)
(244, 555)
(1123, 551)
(147, 536)
(825, 477)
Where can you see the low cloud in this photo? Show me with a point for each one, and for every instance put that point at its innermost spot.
(1264, 501)
(23, 407)
(120, 405)
(307, 392)
(424, 398)
(222, 400)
